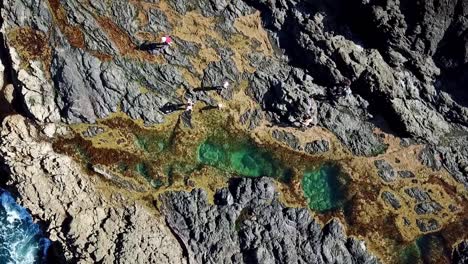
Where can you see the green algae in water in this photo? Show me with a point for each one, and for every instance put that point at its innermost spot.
(151, 144)
(430, 248)
(411, 254)
(242, 158)
(323, 189)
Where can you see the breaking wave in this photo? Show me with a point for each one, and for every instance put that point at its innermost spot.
(21, 240)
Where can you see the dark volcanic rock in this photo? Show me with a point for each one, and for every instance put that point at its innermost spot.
(385, 170)
(427, 225)
(317, 147)
(427, 208)
(418, 194)
(251, 118)
(391, 199)
(460, 253)
(403, 61)
(288, 138)
(247, 224)
(93, 131)
(406, 174)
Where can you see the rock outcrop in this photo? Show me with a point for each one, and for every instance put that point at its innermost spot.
(394, 57)
(404, 74)
(86, 225)
(248, 224)
(357, 68)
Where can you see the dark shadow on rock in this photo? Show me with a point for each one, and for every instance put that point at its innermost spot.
(206, 89)
(55, 253)
(10, 77)
(170, 108)
(150, 46)
(209, 107)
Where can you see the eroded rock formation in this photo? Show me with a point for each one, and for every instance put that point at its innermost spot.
(360, 69)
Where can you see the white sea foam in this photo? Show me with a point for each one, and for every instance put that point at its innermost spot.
(21, 239)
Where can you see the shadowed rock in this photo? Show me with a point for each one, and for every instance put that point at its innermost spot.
(247, 224)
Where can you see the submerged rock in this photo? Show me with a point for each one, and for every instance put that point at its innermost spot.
(247, 224)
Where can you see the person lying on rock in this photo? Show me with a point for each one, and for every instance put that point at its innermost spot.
(157, 48)
(186, 116)
(220, 88)
(309, 121)
(189, 107)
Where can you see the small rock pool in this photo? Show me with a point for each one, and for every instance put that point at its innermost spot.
(241, 158)
(324, 187)
(430, 248)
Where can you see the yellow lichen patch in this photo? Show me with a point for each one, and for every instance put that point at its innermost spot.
(251, 27)
(205, 56)
(144, 90)
(30, 45)
(192, 80)
(241, 47)
(195, 28)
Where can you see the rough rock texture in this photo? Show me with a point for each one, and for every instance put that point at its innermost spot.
(385, 170)
(349, 66)
(427, 225)
(247, 224)
(460, 254)
(287, 138)
(406, 174)
(391, 199)
(405, 63)
(88, 226)
(317, 147)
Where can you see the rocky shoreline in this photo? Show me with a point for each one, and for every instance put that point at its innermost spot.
(382, 80)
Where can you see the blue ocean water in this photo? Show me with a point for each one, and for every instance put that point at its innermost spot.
(21, 240)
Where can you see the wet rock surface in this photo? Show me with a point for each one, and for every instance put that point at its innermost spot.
(247, 224)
